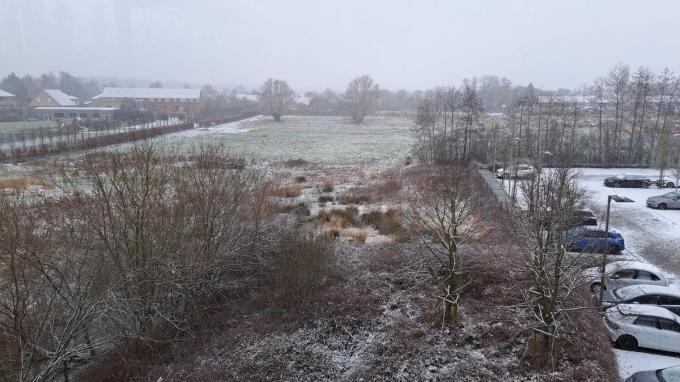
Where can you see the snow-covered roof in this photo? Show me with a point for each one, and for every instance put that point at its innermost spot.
(61, 98)
(646, 310)
(5, 94)
(303, 100)
(149, 93)
(71, 108)
(247, 97)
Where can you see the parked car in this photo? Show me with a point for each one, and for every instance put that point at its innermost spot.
(583, 217)
(619, 274)
(594, 239)
(665, 182)
(629, 181)
(669, 374)
(646, 294)
(631, 326)
(667, 200)
(520, 171)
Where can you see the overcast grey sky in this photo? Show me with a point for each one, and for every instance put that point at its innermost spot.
(316, 44)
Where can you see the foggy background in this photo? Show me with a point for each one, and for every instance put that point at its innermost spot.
(320, 44)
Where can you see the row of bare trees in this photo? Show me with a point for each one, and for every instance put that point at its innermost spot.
(132, 245)
(448, 215)
(448, 123)
(621, 119)
(360, 98)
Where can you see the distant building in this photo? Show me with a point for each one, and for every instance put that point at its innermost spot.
(7, 100)
(247, 97)
(171, 102)
(60, 113)
(54, 98)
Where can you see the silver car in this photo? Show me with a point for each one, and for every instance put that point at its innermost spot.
(520, 171)
(619, 274)
(667, 200)
(663, 296)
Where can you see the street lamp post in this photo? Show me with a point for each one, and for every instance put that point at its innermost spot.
(510, 180)
(618, 199)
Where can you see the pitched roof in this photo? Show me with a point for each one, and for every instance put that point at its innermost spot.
(149, 93)
(61, 98)
(5, 94)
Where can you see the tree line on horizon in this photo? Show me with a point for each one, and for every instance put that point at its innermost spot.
(622, 118)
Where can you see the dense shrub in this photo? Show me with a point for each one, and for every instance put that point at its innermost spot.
(387, 223)
(300, 265)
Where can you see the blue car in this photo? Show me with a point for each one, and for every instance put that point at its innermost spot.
(594, 239)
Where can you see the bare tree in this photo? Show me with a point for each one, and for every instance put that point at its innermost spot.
(553, 276)
(275, 96)
(361, 97)
(444, 211)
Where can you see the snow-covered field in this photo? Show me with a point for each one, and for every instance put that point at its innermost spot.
(324, 140)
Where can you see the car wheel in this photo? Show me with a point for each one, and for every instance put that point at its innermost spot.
(595, 287)
(662, 206)
(670, 185)
(627, 342)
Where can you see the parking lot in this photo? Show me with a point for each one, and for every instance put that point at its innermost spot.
(650, 235)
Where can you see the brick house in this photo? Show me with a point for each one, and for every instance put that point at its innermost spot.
(171, 102)
(54, 98)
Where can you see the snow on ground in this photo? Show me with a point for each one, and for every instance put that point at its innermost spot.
(323, 140)
(225, 128)
(633, 361)
(652, 235)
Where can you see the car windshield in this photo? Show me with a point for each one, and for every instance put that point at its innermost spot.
(671, 374)
(670, 195)
(620, 176)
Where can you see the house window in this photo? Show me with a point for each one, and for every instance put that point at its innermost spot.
(59, 115)
(95, 115)
(83, 115)
(72, 115)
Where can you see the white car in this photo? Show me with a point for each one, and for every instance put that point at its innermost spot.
(643, 294)
(520, 171)
(632, 325)
(619, 274)
(665, 182)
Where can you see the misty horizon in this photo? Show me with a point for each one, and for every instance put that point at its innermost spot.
(315, 46)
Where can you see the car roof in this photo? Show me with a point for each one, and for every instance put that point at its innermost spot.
(637, 265)
(596, 228)
(646, 310)
(633, 291)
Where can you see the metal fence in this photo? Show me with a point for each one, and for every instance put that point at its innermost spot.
(41, 142)
(498, 194)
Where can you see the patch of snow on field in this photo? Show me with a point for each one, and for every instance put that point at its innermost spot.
(225, 128)
(631, 362)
